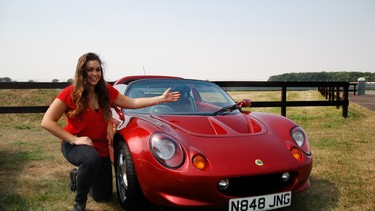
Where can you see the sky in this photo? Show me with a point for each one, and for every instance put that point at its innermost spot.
(228, 40)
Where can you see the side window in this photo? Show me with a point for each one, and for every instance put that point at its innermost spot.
(120, 87)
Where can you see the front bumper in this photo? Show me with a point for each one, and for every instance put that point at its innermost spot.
(194, 188)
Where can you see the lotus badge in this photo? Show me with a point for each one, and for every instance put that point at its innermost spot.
(259, 162)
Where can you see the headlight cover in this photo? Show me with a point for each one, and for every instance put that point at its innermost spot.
(166, 150)
(300, 137)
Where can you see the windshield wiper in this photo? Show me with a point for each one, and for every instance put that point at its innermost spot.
(225, 109)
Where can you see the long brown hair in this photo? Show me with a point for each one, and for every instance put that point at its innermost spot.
(82, 91)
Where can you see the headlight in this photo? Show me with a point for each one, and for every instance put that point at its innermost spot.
(299, 136)
(166, 150)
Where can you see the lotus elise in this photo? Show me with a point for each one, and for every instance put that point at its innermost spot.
(204, 150)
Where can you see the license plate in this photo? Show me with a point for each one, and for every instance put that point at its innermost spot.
(264, 202)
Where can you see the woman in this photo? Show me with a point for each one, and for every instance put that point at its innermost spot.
(86, 105)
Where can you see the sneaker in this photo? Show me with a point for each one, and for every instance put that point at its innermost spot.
(73, 180)
(79, 206)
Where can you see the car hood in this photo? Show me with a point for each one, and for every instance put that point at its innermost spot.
(267, 144)
(226, 125)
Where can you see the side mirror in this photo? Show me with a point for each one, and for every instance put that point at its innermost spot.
(244, 103)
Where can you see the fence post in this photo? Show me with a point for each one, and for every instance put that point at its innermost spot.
(346, 101)
(331, 93)
(337, 96)
(326, 92)
(283, 101)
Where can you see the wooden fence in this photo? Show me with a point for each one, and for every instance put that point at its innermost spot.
(336, 94)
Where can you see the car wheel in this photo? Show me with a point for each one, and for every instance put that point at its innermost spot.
(129, 192)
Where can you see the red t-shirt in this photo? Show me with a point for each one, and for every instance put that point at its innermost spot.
(91, 123)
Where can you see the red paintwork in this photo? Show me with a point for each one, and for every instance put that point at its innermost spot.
(128, 79)
(231, 144)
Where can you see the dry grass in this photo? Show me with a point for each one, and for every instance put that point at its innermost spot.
(34, 174)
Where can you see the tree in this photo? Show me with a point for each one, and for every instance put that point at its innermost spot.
(5, 79)
(323, 76)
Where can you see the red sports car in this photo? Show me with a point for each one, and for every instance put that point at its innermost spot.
(204, 150)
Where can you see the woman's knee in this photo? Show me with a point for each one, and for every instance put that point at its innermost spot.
(92, 160)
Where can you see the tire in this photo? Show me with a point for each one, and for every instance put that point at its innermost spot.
(129, 193)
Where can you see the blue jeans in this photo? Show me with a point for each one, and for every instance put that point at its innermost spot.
(94, 174)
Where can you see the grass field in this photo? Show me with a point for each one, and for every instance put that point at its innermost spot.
(34, 174)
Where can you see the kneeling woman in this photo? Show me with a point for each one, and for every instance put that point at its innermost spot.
(86, 105)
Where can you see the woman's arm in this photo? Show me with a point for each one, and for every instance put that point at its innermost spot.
(49, 122)
(134, 103)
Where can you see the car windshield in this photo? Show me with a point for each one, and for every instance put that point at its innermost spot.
(197, 97)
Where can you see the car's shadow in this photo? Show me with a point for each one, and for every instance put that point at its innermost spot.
(322, 195)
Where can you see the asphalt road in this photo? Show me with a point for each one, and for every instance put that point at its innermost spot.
(367, 100)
